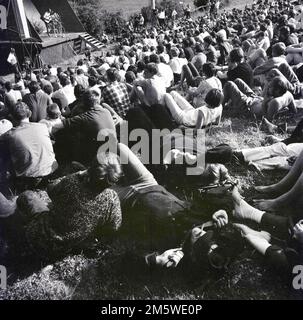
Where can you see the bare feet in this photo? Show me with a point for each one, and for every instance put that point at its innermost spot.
(245, 231)
(267, 205)
(268, 190)
(268, 126)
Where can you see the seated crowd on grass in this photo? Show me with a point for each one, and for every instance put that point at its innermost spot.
(186, 76)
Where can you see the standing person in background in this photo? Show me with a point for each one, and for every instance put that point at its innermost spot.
(13, 61)
(187, 12)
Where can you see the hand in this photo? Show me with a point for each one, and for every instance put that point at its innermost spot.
(298, 231)
(220, 218)
(291, 160)
(173, 156)
(170, 258)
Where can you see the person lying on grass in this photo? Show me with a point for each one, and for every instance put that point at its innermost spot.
(82, 210)
(205, 247)
(208, 246)
(276, 156)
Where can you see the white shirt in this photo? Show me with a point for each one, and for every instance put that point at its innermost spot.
(176, 64)
(190, 117)
(165, 73)
(12, 59)
(203, 89)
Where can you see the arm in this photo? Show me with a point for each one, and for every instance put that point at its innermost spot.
(116, 118)
(267, 66)
(134, 168)
(295, 48)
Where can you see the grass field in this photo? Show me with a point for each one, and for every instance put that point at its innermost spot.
(113, 274)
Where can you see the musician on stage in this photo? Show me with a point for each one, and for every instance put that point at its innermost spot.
(48, 20)
(58, 28)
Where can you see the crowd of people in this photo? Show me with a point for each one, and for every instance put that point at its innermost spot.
(240, 63)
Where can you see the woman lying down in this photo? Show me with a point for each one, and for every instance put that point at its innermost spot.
(210, 245)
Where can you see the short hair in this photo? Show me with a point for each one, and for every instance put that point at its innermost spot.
(92, 81)
(214, 98)
(160, 48)
(48, 88)
(199, 48)
(33, 87)
(174, 52)
(21, 111)
(79, 91)
(208, 40)
(80, 71)
(80, 62)
(141, 66)
(278, 84)
(112, 74)
(88, 99)
(154, 58)
(130, 77)
(278, 49)
(8, 85)
(208, 69)
(65, 81)
(152, 68)
(53, 111)
(236, 55)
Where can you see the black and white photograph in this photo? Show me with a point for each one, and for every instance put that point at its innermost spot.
(151, 150)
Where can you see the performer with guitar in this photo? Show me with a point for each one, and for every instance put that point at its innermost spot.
(47, 18)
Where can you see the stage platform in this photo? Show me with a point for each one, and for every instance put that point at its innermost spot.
(61, 48)
(49, 41)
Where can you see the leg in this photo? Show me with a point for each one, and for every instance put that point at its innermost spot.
(193, 70)
(276, 225)
(280, 163)
(287, 182)
(233, 93)
(174, 109)
(288, 72)
(275, 150)
(181, 102)
(258, 54)
(139, 93)
(273, 108)
(290, 201)
(297, 134)
(187, 75)
(243, 87)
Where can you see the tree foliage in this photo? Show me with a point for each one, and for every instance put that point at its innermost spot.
(96, 20)
(199, 3)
